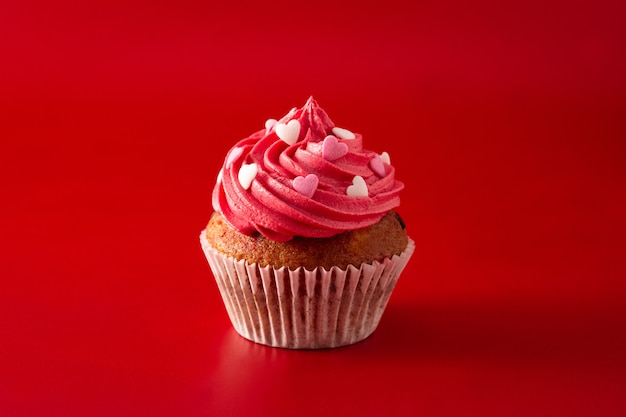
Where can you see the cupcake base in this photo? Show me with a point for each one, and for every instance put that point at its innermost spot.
(305, 309)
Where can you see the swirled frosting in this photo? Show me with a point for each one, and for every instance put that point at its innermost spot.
(304, 176)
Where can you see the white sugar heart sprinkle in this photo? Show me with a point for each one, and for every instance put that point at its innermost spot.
(306, 185)
(343, 133)
(289, 132)
(269, 123)
(385, 157)
(246, 175)
(358, 187)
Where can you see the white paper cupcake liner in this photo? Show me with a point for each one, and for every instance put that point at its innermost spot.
(302, 309)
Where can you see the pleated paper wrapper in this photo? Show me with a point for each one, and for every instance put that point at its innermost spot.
(302, 309)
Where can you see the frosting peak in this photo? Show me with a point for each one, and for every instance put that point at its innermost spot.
(304, 176)
(315, 119)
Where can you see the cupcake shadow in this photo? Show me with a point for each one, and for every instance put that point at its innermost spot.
(490, 334)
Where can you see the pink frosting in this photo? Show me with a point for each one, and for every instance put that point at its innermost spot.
(272, 206)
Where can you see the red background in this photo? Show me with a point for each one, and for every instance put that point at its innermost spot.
(505, 120)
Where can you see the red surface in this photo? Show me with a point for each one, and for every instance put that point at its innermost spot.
(505, 121)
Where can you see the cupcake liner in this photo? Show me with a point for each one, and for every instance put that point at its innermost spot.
(302, 309)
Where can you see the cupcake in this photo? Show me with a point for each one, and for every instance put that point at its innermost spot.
(305, 242)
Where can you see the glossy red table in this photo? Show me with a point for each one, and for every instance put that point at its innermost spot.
(506, 123)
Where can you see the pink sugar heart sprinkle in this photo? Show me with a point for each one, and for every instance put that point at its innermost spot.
(233, 156)
(376, 164)
(306, 185)
(270, 123)
(332, 149)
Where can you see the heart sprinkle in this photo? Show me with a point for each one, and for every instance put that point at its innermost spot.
(233, 156)
(376, 164)
(358, 187)
(289, 132)
(333, 149)
(306, 185)
(385, 157)
(269, 124)
(246, 175)
(343, 133)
